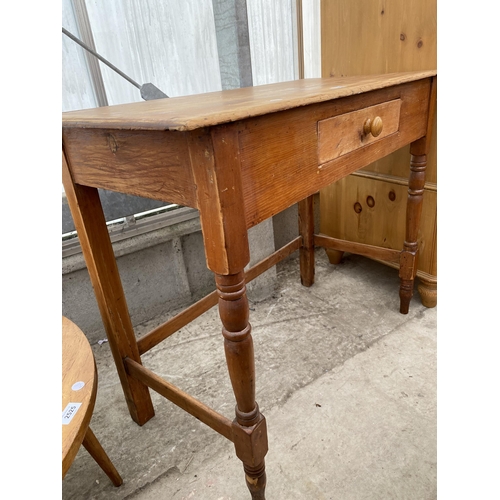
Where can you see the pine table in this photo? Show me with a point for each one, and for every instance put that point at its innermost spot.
(238, 156)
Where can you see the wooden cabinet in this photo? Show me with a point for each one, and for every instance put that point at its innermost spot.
(359, 37)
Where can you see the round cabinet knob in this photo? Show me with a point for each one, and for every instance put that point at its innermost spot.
(373, 127)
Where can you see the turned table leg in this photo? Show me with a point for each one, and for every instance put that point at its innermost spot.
(418, 164)
(306, 229)
(409, 255)
(217, 172)
(249, 426)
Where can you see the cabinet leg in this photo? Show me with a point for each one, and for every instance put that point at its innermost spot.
(334, 256)
(428, 292)
(249, 426)
(306, 229)
(409, 255)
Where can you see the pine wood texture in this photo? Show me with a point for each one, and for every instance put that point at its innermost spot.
(373, 38)
(249, 426)
(354, 130)
(306, 230)
(96, 451)
(383, 36)
(283, 147)
(153, 164)
(371, 210)
(78, 367)
(282, 144)
(408, 259)
(239, 156)
(216, 108)
(207, 415)
(378, 253)
(90, 224)
(217, 173)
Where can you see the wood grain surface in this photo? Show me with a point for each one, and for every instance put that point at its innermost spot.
(154, 164)
(363, 38)
(103, 271)
(215, 108)
(77, 366)
(345, 133)
(278, 149)
(240, 157)
(217, 173)
(371, 210)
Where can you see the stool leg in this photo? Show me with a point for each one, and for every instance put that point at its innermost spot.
(249, 426)
(409, 255)
(97, 452)
(306, 229)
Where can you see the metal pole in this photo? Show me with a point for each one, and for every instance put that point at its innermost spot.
(94, 53)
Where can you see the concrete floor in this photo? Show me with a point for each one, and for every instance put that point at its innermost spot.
(347, 385)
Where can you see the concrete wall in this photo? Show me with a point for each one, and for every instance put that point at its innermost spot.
(161, 271)
(164, 270)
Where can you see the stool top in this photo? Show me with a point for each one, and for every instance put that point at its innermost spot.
(79, 389)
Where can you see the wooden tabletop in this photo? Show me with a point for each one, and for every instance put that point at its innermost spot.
(215, 108)
(79, 389)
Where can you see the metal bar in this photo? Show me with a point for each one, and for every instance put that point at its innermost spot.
(205, 414)
(94, 53)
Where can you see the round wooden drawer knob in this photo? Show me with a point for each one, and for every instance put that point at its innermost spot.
(373, 127)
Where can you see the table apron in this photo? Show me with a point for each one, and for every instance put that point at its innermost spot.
(282, 156)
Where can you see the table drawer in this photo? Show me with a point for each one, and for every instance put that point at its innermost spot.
(342, 134)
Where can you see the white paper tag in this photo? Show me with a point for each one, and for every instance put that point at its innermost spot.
(69, 412)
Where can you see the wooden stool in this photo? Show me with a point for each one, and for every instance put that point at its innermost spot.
(79, 390)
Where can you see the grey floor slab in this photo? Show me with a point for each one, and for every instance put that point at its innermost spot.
(347, 385)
